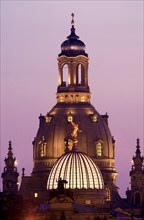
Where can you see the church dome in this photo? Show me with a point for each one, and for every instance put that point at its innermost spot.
(73, 43)
(73, 104)
(55, 126)
(73, 46)
(78, 169)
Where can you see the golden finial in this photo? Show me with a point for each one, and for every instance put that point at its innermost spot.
(72, 22)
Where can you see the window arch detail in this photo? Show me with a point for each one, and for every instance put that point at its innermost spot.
(42, 148)
(99, 148)
(64, 75)
(80, 74)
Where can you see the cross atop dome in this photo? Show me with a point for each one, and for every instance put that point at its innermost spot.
(72, 21)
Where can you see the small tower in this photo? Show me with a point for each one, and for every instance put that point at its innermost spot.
(136, 194)
(73, 70)
(10, 174)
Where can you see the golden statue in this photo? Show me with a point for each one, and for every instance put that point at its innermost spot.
(75, 130)
(71, 140)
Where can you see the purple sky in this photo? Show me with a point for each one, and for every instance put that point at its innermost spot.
(31, 35)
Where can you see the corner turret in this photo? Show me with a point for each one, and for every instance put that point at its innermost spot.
(73, 70)
(135, 196)
(137, 160)
(10, 174)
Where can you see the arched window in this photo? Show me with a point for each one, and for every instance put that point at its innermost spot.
(65, 75)
(80, 79)
(42, 148)
(99, 148)
(94, 118)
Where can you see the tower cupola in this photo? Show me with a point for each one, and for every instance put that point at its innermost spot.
(72, 46)
(73, 70)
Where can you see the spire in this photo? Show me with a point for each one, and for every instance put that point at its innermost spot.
(10, 174)
(138, 141)
(72, 21)
(10, 146)
(138, 152)
(10, 153)
(10, 160)
(73, 47)
(72, 34)
(138, 159)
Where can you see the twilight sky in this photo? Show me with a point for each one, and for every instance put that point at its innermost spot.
(31, 35)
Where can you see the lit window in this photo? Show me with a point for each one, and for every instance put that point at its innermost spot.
(42, 147)
(83, 99)
(94, 118)
(35, 195)
(108, 194)
(47, 119)
(88, 202)
(61, 99)
(43, 150)
(99, 149)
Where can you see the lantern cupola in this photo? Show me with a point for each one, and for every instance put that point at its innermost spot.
(73, 70)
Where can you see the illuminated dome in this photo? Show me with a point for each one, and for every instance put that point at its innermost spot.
(73, 46)
(74, 104)
(78, 170)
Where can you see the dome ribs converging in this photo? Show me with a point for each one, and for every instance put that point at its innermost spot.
(90, 172)
(86, 173)
(78, 170)
(81, 173)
